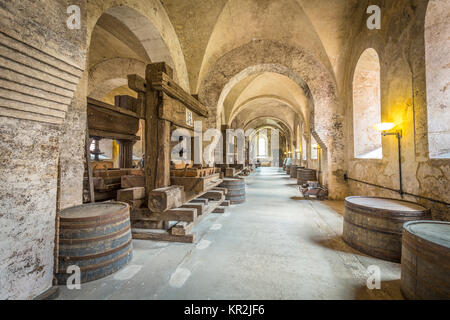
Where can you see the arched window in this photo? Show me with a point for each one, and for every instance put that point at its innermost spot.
(304, 146)
(262, 146)
(367, 106)
(437, 59)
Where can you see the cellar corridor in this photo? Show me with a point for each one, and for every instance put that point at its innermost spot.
(274, 246)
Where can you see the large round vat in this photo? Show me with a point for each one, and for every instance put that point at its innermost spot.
(304, 175)
(236, 190)
(426, 260)
(96, 238)
(374, 225)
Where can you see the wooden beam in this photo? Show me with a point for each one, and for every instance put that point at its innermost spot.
(176, 112)
(130, 181)
(87, 150)
(162, 235)
(199, 206)
(103, 105)
(137, 83)
(213, 195)
(176, 214)
(163, 82)
(131, 194)
(219, 210)
(112, 135)
(163, 199)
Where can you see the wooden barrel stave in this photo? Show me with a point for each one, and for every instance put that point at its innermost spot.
(378, 232)
(93, 231)
(425, 265)
(95, 237)
(93, 246)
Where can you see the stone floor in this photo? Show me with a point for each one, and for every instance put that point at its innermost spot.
(275, 246)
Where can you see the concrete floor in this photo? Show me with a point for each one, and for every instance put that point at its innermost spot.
(275, 246)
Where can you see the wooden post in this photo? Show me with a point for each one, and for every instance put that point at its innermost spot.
(126, 153)
(157, 134)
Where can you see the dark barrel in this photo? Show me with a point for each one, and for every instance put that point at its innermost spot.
(95, 237)
(304, 175)
(293, 171)
(374, 225)
(288, 169)
(236, 190)
(426, 260)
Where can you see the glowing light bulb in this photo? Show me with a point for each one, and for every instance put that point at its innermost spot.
(384, 126)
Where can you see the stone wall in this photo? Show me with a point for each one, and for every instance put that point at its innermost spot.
(401, 49)
(39, 122)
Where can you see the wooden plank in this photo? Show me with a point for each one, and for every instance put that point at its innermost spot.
(177, 214)
(137, 83)
(182, 228)
(219, 210)
(145, 224)
(213, 205)
(131, 194)
(136, 204)
(163, 156)
(126, 102)
(224, 190)
(163, 82)
(213, 195)
(174, 111)
(142, 234)
(112, 135)
(225, 203)
(200, 200)
(199, 206)
(129, 181)
(101, 105)
(163, 199)
(87, 149)
(196, 184)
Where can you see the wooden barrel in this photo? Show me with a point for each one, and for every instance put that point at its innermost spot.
(426, 260)
(293, 171)
(304, 175)
(374, 225)
(96, 238)
(236, 190)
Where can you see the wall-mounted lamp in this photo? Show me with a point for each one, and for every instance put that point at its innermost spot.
(384, 127)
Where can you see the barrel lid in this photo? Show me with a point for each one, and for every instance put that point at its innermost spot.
(385, 204)
(93, 211)
(433, 231)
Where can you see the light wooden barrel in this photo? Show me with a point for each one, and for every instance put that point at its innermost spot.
(304, 175)
(236, 190)
(374, 225)
(96, 238)
(426, 260)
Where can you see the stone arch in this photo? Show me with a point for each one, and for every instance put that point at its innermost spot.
(282, 100)
(111, 74)
(303, 68)
(151, 25)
